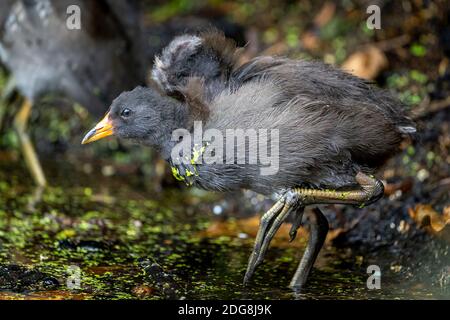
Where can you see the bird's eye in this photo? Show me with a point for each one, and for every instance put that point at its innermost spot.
(125, 113)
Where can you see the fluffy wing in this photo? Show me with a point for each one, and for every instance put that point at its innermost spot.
(208, 55)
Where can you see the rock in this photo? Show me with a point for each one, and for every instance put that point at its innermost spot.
(21, 279)
(166, 283)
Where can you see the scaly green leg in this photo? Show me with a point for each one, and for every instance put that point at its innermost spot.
(370, 190)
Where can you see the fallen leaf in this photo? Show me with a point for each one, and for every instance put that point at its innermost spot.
(366, 63)
(11, 296)
(99, 270)
(404, 186)
(143, 291)
(279, 48)
(57, 295)
(249, 226)
(437, 224)
(310, 40)
(325, 14)
(334, 233)
(446, 212)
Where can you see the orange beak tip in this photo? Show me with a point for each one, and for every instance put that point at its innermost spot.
(103, 129)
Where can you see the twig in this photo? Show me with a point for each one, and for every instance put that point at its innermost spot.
(433, 107)
(393, 43)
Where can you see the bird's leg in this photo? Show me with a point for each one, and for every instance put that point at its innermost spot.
(35, 198)
(370, 190)
(317, 234)
(6, 94)
(290, 205)
(270, 223)
(31, 159)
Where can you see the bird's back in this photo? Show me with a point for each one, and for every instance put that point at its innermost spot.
(326, 83)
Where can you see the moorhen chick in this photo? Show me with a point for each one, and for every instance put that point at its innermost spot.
(328, 132)
(90, 65)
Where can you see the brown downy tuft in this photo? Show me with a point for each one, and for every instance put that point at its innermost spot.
(193, 95)
(225, 48)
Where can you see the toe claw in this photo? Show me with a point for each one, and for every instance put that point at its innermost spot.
(292, 234)
(296, 224)
(249, 273)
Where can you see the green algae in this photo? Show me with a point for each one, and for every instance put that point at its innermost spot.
(110, 242)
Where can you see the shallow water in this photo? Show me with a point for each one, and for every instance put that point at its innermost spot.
(130, 242)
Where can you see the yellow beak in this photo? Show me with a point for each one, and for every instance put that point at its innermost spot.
(103, 129)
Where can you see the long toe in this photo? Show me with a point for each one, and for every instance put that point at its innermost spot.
(266, 221)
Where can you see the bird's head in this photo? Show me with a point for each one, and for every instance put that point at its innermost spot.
(142, 114)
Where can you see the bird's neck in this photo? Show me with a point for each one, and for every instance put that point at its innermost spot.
(175, 117)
